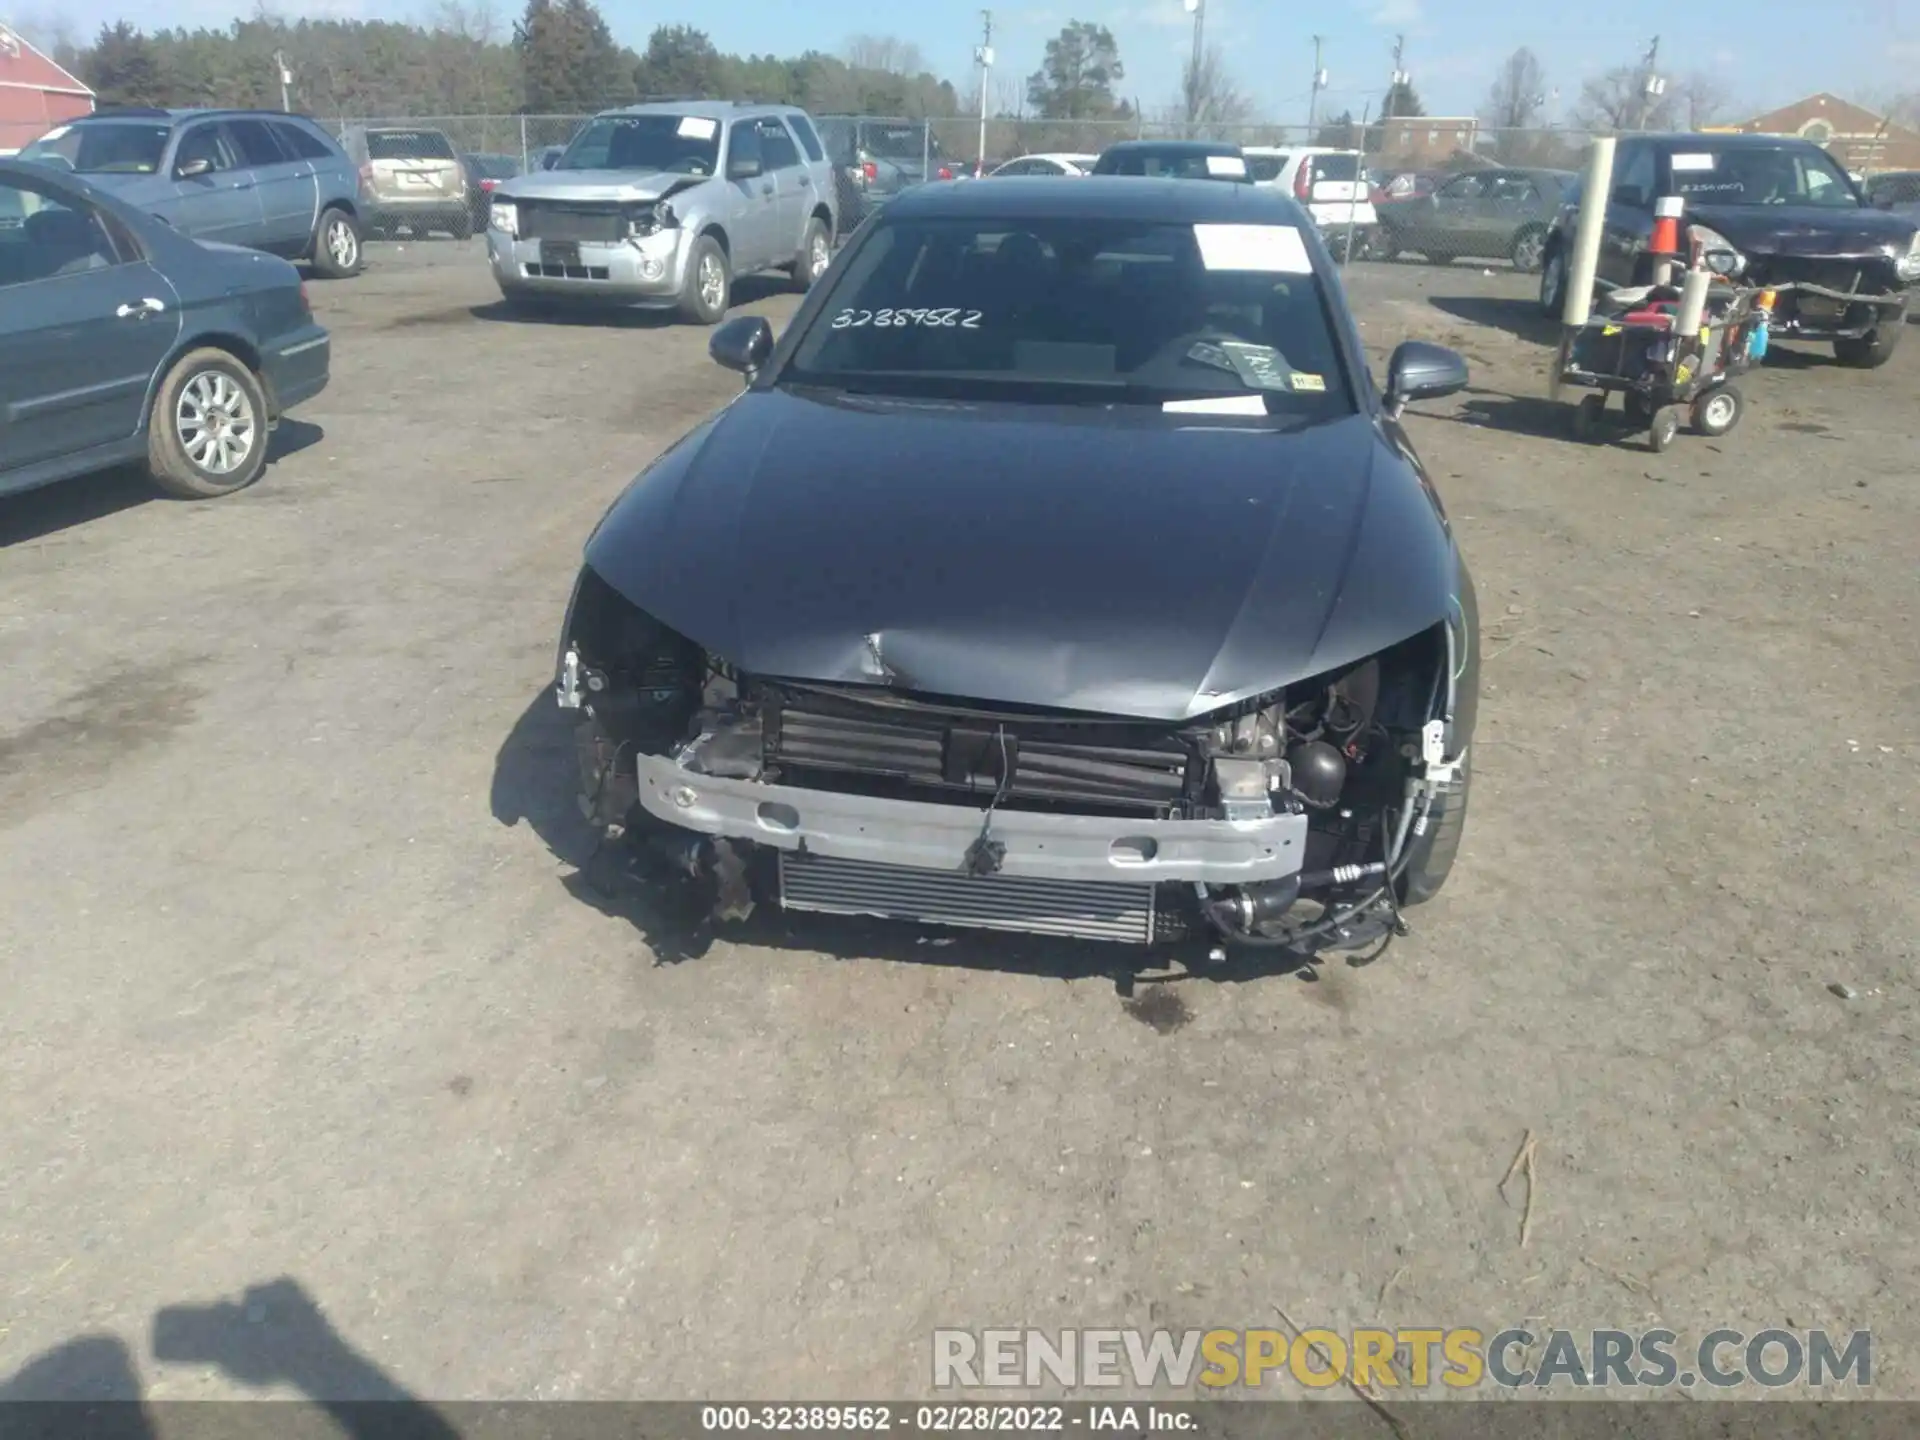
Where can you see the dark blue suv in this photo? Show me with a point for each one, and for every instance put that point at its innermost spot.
(259, 178)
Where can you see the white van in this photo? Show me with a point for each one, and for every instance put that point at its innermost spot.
(1330, 184)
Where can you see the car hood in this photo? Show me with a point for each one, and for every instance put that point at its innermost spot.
(1812, 231)
(1115, 563)
(602, 185)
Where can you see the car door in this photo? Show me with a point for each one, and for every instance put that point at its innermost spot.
(1453, 214)
(792, 188)
(750, 226)
(213, 194)
(85, 320)
(1510, 198)
(1629, 223)
(282, 178)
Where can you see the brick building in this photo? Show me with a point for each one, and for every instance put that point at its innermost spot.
(35, 93)
(1422, 141)
(1852, 134)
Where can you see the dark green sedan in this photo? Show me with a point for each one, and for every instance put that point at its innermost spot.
(1488, 214)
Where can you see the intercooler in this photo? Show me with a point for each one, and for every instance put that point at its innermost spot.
(1087, 910)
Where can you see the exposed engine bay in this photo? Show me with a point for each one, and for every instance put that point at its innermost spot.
(1306, 817)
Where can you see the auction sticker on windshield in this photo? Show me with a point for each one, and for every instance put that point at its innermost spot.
(698, 127)
(1272, 249)
(1683, 163)
(1226, 165)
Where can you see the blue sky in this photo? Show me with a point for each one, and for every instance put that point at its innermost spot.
(1778, 50)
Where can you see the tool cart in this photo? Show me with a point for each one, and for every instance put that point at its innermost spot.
(1665, 378)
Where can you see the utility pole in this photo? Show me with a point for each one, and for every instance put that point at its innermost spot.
(1195, 105)
(1319, 84)
(1400, 77)
(984, 57)
(286, 79)
(1651, 85)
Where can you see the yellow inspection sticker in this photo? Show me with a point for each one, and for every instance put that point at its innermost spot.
(1308, 382)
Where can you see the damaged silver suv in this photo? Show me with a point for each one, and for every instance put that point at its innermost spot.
(660, 206)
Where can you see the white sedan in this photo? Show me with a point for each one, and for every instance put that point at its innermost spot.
(1048, 165)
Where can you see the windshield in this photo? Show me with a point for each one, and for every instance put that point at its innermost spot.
(1335, 167)
(1180, 164)
(102, 147)
(679, 144)
(408, 145)
(1226, 318)
(1265, 167)
(1756, 175)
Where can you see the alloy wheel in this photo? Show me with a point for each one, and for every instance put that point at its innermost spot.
(217, 426)
(342, 244)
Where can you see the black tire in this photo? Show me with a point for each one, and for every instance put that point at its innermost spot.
(816, 253)
(1873, 349)
(1529, 249)
(1431, 855)
(1437, 256)
(699, 302)
(1718, 410)
(1588, 416)
(1665, 428)
(1553, 282)
(1638, 408)
(460, 225)
(336, 253)
(209, 402)
(1383, 244)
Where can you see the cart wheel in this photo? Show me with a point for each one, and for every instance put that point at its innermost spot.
(1718, 411)
(1639, 409)
(1666, 425)
(1587, 416)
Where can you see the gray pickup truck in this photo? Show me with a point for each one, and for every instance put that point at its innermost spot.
(660, 206)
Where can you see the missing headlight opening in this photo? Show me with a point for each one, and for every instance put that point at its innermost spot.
(1305, 817)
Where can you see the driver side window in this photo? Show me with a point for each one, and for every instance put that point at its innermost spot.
(744, 145)
(1467, 187)
(42, 237)
(203, 142)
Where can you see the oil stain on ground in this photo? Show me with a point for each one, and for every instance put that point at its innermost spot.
(1160, 1007)
(118, 715)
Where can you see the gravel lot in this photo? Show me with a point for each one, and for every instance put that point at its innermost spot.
(301, 981)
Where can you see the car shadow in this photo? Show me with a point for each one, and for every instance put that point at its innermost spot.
(535, 781)
(274, 1335)
(1520, 318)
(37, 514)
(747, 290)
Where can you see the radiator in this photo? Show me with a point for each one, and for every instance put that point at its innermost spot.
(1082, 909)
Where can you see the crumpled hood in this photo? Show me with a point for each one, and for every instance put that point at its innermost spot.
(600, 185)
(1073, 558)
(1813, 231)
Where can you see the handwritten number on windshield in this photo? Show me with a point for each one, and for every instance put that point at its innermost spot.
(937, 319)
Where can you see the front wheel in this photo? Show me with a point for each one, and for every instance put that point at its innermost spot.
(1529, 247)
(1665, 428)
(1588, 416)
(461, 225)
(1382, 244)
(208, 432)
(1717, 411)
(1553, 284)
(709, 282)
(336, 245)
(1871, 350)
(816, 251)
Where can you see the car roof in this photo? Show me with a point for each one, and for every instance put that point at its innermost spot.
(1173, 147)
(1102, 197)
(175, 114)
(710, 109)
(1729, 140)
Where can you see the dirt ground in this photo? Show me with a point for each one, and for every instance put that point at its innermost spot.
(300, 979)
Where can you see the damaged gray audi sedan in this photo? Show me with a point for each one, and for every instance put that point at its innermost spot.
(1062, 570)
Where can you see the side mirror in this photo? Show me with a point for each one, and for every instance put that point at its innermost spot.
(744, 343)
(193, 169)
(743, 169)
(1419, 371)
(1629, 196)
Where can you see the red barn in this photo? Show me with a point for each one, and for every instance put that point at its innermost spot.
(35, 93)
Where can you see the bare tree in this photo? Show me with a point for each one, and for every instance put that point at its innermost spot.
(1209, 95)
(885, 53)
(1518, 94)
(1617, 99)
(1700, 99)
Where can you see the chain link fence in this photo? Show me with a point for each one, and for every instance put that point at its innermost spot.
(1394, 146)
